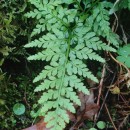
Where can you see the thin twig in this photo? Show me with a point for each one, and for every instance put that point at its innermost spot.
(100, 89)
(115, 23)
(101, 84)
(124, 36)
(117, 1)
(110, 117)
(104, 99)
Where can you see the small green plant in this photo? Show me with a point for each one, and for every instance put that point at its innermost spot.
(101, 124)
(92, 129)
(70, 34)
(19, 109)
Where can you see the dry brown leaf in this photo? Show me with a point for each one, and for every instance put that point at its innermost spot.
(87, 110)
(39, 126)
(71, 116)
(90, 110)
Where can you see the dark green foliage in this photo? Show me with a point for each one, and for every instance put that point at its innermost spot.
(15, 90)
(13, 87)
(12, 30)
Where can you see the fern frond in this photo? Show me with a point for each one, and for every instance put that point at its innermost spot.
(69, 39)
(75, 82)
(113, 39)
(81, 52)
(78, 67)
(122, 4)
(38, 29)
(101, 16)
(100, 24)
(49, 54)
(49, 40)
(49, 71)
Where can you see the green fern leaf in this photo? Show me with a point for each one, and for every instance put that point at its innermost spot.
(101, 15)
(69, 41)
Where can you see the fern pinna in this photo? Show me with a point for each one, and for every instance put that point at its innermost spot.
(67, 39)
